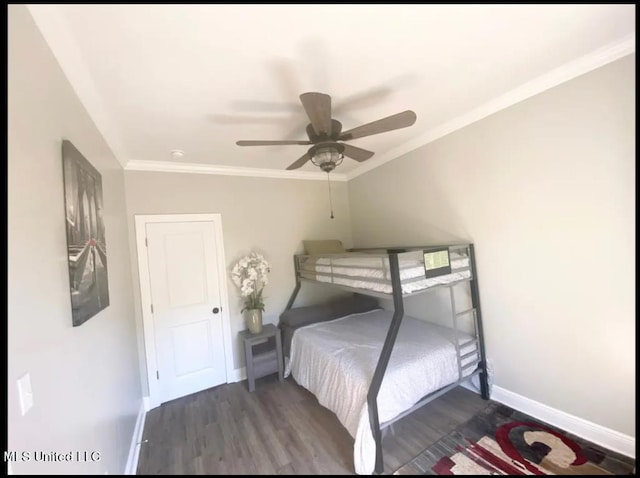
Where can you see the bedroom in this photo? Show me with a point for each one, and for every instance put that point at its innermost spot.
(543, 183)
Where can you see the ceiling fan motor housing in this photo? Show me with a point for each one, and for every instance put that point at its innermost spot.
(334, 134)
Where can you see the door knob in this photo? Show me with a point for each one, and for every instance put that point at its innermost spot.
(215, 310)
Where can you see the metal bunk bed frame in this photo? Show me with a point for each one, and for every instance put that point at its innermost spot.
(398, 303)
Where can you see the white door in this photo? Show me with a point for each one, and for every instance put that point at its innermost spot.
(185, 298)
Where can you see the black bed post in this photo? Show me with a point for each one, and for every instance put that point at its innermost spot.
(383, 361)
(296, 268)
(475, 301)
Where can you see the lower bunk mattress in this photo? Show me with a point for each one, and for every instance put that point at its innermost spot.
(336, 360)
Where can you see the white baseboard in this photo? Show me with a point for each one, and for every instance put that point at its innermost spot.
(238, 375)
(610, 439)
(146, 403)
(134, 451)
(136, 439)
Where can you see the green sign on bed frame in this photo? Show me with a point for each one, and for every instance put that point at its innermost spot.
(436, 262)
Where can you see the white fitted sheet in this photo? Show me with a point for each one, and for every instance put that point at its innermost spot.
(336, 360)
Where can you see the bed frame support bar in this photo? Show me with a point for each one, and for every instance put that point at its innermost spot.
(294, 294)
(475, 301)
(385, 355)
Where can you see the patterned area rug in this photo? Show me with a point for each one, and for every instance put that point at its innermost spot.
(502, 441)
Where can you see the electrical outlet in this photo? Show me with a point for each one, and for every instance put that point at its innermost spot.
(25, 393)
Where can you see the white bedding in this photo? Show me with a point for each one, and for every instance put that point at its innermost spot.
(363, 268)
(335, 361)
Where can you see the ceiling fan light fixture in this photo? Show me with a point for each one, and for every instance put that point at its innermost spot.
(327, 157)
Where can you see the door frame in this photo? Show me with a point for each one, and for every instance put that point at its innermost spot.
(141, 221)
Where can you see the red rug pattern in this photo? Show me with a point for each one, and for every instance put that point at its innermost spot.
(502, 441)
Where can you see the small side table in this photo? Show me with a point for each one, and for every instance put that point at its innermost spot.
(263, 354)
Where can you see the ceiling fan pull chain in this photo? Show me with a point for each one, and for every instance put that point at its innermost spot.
(330, 199)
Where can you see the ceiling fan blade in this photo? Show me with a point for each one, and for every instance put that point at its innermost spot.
(300, 162)
(397, 121)
(247, 119)
(318, 108)
(271, 143)
(253, 106)
(360, 100)
(356, 153)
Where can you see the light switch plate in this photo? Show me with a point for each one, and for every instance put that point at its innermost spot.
(25, 393)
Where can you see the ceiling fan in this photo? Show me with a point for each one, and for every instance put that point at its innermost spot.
(326, 135)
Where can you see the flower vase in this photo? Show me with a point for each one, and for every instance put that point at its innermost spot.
(254, 320)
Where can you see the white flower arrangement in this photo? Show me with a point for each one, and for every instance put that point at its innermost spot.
(250, 274)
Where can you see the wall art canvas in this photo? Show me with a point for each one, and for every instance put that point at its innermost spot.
(86, 242)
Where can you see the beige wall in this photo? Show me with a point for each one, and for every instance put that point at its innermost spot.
(85, 381)
(272, 216)
(545, 189)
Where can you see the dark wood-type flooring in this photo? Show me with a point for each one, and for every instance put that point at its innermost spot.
(280, 429)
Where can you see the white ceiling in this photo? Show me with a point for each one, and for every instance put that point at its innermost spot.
(199, 77)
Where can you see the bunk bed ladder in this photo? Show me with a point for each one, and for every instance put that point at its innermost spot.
(454, 315)
(477, 325)
(460, 358)
(475, 302)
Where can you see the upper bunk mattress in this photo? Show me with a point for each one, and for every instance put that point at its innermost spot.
(367, 272)
(336, 360)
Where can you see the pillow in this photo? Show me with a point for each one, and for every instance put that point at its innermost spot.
(329, 246)
(301, 316)
(353, 305)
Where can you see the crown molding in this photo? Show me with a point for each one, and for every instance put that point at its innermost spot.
(562, 74)
(63, 45)
(196, 168)
(52, 25)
